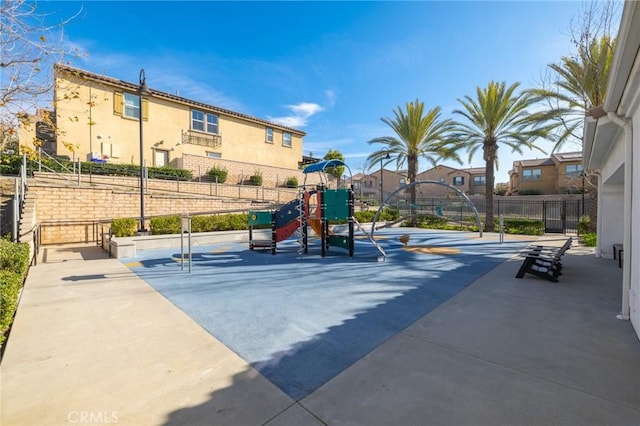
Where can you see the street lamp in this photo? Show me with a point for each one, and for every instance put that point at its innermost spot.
(387, 157)
(143, 90)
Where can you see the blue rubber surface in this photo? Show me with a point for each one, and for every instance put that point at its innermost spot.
(302, 319)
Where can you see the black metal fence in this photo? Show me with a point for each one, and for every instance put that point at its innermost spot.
(558, 215)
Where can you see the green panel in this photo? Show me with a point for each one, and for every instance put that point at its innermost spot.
(339, 241)
(336, 204)
(259, 218)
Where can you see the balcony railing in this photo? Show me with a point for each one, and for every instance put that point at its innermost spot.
(202, 139)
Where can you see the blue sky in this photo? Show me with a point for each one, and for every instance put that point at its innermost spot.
(332, 69)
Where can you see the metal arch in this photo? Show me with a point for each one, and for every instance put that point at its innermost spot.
(404, 188)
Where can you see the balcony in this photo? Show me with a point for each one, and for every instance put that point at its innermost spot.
(202, 139)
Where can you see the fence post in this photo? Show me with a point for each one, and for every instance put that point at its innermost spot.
(23, 176)
(16, 211)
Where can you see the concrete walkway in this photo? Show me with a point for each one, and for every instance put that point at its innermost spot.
(94, 344)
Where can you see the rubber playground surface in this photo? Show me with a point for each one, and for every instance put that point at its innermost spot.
(302, 319)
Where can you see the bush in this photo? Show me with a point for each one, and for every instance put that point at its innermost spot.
(256, 178)
(166, 225)
(219, 174)
(10, 284)
(170, 173)
(584, 224)
(589, 239)
(14, 257)
(223, 222)
(14, 264)
(124, 227)
(522, 226)
(291, 182)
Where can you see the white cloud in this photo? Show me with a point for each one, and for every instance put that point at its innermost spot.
(300, 114)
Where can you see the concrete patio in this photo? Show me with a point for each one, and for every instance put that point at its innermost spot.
(94, 344)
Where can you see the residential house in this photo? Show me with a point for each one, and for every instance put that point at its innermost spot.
(470, 180)
(558, 174)
(98, 118)
(379, 184)
(611, 149)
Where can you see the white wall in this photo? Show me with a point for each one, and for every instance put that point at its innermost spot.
(633, 261)
(612, 217)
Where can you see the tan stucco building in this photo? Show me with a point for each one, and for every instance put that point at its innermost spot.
(559, 174)
(98, 118)
(469, 180)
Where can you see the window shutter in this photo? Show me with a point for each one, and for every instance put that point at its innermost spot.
(145, 110)
(118, 103)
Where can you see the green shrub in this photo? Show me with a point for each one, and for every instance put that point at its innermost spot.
(14, 257)
(364, 216)
(291, 182)
(584, 224)
(522, 226)
(14, 265)
(204, 224)
(589, 239)
(389, 214)
(10, 285)
(166, 225)
(219, 174)
(256, 178)
(170, 173)
(124, 227)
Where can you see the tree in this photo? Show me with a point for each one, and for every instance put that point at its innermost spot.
(416, 135)
(336, 171)
(29, 46)
(578, 82)
(497, 116)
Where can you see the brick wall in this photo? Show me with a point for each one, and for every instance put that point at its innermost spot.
(69, 213)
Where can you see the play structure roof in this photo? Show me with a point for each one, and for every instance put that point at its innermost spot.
(321, 165)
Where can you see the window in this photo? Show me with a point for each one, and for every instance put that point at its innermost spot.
(213, 154)
(532, 174)
(268, 138)
(286, 139)
(199, 119)
(368, 184)
(574, 170)
(131, 106)
(403, 182)
(212, 124)
(458, 180)
(479, 180)
(441, 180)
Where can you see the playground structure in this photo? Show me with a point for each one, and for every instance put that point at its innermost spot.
(331, 205)
(338, 205)
(301, 213)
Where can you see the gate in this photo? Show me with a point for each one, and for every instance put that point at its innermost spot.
(558, 216)
(554, 216)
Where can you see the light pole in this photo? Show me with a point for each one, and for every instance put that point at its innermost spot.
(142, 90)
(583, 192)
(381, 178)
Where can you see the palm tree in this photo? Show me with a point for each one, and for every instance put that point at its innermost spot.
(498, 116)
(416, 135)
(579, 85)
